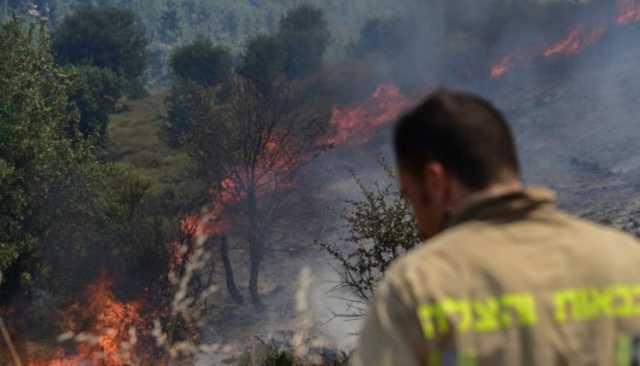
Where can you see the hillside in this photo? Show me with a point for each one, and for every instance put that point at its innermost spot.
(134, 141)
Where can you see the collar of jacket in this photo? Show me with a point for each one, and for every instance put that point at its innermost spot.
(507, 206)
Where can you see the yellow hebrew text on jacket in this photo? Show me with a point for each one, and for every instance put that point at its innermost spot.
(493, 314)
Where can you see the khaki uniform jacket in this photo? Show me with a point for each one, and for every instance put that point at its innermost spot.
(512, 281)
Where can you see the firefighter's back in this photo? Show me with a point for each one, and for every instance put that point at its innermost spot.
(525, 284)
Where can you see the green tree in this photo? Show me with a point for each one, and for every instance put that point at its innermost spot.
(203, 63)
(106, 37)
(187, 102)
(95, 93)
(37, 160)
(263, 62)
(305, 35)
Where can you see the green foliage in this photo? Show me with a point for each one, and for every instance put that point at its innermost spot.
(33, 153)
(381, 228)
(41, 169)
(105, 37)
(305, 36)
(295, 52)
(263, 61)
(203, 63)
(64, 216)
(187, 103)
(266, 354)
(95, 93)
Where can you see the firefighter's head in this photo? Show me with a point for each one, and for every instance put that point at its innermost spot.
(450, 147)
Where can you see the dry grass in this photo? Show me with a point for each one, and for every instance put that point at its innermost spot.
(134, 142)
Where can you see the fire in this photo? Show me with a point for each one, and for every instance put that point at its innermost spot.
(112, 322)
(270, 175)
(628, 12)
(502, 67)
(577, 40)
(357, 124)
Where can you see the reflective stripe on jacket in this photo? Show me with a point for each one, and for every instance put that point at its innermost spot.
(512, 281)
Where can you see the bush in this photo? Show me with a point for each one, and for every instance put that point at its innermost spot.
(381, 228)
(266, 354)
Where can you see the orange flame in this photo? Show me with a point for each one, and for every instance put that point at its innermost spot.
(351, 125)
(269, 176)
(358, 124)
(577, 39)
(112, 321)
(502, 67)
(628, 12)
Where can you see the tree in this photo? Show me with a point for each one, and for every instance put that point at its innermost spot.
(106, 37)
(64, 215)
(252, 150)
(263, 62)
(305, 36)
(203, 63)
(95, 93)
(380, 228)
(38, 162)
(186, 103)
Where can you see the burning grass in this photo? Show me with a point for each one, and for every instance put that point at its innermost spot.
(357, 124)
(579, 38)
(104, 329)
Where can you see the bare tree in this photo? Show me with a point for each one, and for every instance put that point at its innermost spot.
(251, 151)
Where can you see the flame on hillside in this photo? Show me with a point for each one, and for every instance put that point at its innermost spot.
(577, 39)
(349, 125)
(109, 338)
(501, 67)
(628, 12)
(270, 175)
(357, 124)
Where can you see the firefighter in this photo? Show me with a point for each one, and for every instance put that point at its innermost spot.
(503, 277)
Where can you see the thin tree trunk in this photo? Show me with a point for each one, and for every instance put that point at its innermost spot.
(255, 249)
(256, 253)
(228, 272)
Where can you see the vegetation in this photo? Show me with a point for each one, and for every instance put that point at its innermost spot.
(95, 92)
(305, 36)
(203, 63)
(263, 62)
(271, 355)
(66, 216)
(37, 161)
(105, 37)
(251, 150)
(90, 181)
(380, 228)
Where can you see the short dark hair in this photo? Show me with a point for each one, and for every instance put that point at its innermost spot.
(464, 132)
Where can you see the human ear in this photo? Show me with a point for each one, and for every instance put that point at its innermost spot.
(438, 183)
